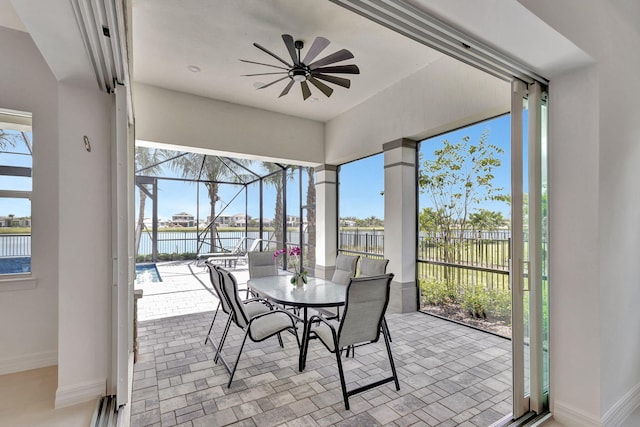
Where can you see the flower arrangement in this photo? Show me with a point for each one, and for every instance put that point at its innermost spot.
(299, 275)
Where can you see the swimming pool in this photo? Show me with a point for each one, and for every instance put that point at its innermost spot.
(15, 265)
(147, 273)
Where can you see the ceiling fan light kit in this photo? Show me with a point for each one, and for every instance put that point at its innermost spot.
(303, 70)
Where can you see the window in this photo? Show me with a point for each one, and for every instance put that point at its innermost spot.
(16, 147)
(361, 207)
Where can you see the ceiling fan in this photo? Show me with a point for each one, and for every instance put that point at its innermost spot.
(303, 70)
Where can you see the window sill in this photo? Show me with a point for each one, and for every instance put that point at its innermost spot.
(18, 283)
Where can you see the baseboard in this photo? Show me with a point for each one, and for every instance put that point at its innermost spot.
(27, 362)
(78, 393)
(624, 407)
(572, 417)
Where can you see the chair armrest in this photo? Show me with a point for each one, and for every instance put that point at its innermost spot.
(321, 319)
(276, 310)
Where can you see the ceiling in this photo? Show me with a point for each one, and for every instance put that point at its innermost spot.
(171, 35)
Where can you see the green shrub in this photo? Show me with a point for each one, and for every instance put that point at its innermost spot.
(500, 303)
(435, 292)
(476, 300)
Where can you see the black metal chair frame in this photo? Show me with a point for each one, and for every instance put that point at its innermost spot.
(214, 270)
(225, 275)
(338, 351)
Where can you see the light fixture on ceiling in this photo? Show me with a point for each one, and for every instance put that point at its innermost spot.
(193, 68)
(307, 70)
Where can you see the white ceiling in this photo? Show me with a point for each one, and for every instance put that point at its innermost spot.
(170, 35)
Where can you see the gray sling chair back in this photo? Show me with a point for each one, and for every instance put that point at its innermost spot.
(252, 307)
(262, 264)
(346, 266)
(361, 323)
(374, 267)
(257, 328)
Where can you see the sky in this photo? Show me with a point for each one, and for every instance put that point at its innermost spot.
(361, 183)
(16, 155)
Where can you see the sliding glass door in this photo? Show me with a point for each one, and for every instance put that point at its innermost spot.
(529, 281)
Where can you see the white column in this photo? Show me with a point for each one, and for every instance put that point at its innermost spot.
(400, 223)
(326, 220)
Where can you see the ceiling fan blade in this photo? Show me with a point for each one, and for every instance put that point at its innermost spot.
(286, 88)
(291, 47)
(273, 82)
(323, 87)
(319, 44)
(261, 63)
(272, 54)
(340, 69)
(264, 74)
(341, 55)
(340, 81)
(306, 92)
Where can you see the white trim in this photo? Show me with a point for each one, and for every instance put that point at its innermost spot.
(418, 25)
(17, 283)
(27, 362)
(624, 407)
(570, 416)
(78, 393)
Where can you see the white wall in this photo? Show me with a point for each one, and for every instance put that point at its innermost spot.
(609, 32)
(177, 118)
(573, 228)
(66, 318)
(85, 274)
(444, 95)
(28, 318)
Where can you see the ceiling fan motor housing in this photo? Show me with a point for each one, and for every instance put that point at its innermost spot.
(299, 74)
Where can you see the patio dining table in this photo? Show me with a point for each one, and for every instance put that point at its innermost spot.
(317, 293)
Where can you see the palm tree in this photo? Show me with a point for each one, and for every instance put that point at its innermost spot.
(212, 170)
(147, 161)
(310, 258)
(275, 179)
(8, 139)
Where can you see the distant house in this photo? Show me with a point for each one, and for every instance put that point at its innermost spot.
(10, 221)
(183, 219)
(225, 220)
(240, 220)
(347, 223)
(293, 220)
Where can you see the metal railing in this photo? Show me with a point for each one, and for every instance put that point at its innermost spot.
(15, 245)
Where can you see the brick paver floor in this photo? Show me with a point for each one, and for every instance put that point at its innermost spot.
(449, 374)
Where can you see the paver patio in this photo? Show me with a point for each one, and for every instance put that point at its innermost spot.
(449, 374)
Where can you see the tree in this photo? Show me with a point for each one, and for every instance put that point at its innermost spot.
(146, 161)
(275, 178)
(486, 220)
(8, 139)
(212, 170)
(311, 218)
(456, 182)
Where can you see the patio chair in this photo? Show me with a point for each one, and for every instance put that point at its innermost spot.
(345, 270)
(252, 308)
(374, 267)
(257, 328)
(361, 323)
(231, 257)
(261, 264)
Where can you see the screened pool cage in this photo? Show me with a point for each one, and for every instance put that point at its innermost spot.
(189, 205)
